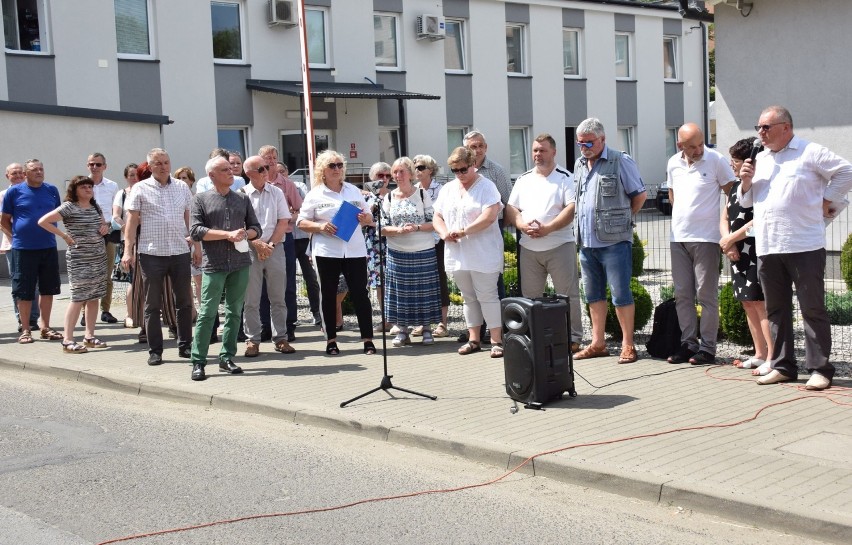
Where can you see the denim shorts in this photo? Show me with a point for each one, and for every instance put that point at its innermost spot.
(611, 265)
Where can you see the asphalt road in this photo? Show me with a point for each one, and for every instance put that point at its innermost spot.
(81, 466)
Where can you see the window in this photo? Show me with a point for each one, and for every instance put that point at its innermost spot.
(454, 47)
(571, 52)
(132, 31)
(227, 33)
(625, 140)
(623, 56)
(519, 151)
(386, 31)
(671, 141)
(515, 50)
(25, 25)
(317, 23)
(388, 144)
(670, 57)
(455, 138)
(233, 139)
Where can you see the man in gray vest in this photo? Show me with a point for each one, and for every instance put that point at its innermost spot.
(609, 193)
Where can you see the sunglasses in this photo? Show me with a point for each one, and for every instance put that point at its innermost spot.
(587, 145)
(384, 175)
(262, 169)
(420, 168)
(459, 170)
(766, 128)
(96, 164)
(335, 165)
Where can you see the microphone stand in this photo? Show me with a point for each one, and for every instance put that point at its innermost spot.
(385, 383)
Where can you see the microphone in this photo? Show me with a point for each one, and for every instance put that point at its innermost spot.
(756, 147)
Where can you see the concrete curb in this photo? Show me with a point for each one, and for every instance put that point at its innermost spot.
(622, 482)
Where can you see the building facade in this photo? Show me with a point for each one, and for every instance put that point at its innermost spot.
(412, 76)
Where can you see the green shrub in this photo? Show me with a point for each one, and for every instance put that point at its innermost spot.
(846, 262)
(510, 282)
(347, 306)
(732, 317)
(509, 242)
(644, 309)
(667, 292)
(638, 256)
(839, 307)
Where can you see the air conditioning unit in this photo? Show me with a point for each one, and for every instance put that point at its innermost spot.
(282, 13)
(433, 27)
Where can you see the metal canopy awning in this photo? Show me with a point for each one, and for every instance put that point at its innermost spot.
(335, 90)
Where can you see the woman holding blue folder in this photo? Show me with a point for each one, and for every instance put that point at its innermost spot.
(330, 211)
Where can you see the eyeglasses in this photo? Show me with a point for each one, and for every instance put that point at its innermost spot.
(262, 169)
(420, 168)
(587, 145)
(759, 128)
(459, 170)
(96, 164)
(384, 175)
(335, 165)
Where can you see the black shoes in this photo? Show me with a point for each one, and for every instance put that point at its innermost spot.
(155, 359)
(226, 366)
(198, 372)
(291, 336)
(682, 355)
(703, 358)
(185, 352)
(108, 318)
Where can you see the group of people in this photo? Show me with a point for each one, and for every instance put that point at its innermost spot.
(237, 234)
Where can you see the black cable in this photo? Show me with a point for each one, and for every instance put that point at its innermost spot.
(632, 378)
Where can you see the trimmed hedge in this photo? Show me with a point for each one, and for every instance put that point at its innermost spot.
(846, 262)
(644, 309)
(732, 317)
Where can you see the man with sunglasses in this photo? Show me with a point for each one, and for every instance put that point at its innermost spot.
(294, 201)
(610, 192)
(696, 175)
(105, 190)
(794, 185)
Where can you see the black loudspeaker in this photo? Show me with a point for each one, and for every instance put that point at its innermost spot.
(537, 355)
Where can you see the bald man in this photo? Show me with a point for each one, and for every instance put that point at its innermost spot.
(696, 175)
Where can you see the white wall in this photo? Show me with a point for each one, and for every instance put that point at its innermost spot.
(548, 87)
(650, 133)
(600, 70)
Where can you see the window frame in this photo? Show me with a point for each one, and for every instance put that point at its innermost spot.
(242, 22)
(393, 133)
(244, 136)
(675, 61)
(630, 55)
(462, 46)
(524, 151)
(452, 143)
(578, 32)
(397, 66)
(43, 17)
(325, 36)
(629, 132)
(522, 38)
(151, 50)
(671, 142)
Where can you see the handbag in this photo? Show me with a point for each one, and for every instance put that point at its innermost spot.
(118, 274)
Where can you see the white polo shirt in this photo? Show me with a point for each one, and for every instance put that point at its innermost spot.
(543, 198)
(697, 197)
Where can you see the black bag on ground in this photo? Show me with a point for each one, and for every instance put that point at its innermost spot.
(665, 335)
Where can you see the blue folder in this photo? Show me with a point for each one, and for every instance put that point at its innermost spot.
(346, 220)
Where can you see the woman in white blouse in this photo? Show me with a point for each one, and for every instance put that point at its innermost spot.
(466, 219)
(334, 255)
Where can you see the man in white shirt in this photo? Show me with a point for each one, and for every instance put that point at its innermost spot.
(267, 259)
(541, 207)
(696, 175)
(105, 190)
(793, 185)
(206, 184)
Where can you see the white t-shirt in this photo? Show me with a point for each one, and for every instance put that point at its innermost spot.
(481, 251)
(697, 197)
(320, 205)
(543, 198)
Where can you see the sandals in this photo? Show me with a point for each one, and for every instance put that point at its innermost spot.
(332, 350)
(497, 350)
(50, 334)
(751, 363)
(72, 347)
(94, 342)
(702, 357)
(284, 347)
(369, 348)
(470, 347)
(628, 354)
(592, 351)
(26, 337)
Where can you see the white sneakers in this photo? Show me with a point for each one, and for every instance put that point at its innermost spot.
(773, 377)
(817, 382)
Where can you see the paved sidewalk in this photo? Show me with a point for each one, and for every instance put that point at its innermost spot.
(790, 469)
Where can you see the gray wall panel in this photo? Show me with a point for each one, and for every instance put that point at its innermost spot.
(457, 8)
(576, 103)
(627, 107)
(233, 99)
(674, 105)
(321, 3)
(517, 13)
(520, 101)
(32, 78)
(573, 18)
(389, 109)
(321, 75)
(672, 27)
(394, 6)
(459, 93)
(625, 23)
(139, 87)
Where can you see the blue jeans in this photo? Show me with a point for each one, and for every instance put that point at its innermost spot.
(611, 265)
(212, 285)
(35, 313)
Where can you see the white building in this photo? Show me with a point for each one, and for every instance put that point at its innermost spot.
(122, 76)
